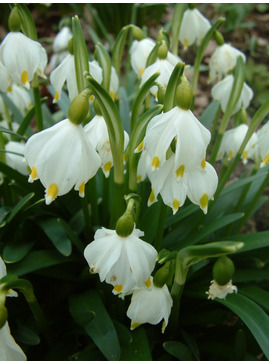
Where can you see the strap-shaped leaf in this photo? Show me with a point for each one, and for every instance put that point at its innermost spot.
(252, 315)
(105, 63)
(27, 23)
(119, 47)
(176, 23)
(169, 98)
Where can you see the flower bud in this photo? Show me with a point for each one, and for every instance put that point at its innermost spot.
(160, 94)
(184, 94)
(162, 275)
(125, 225)
(192, 6)
(79, 107)
(164, 35)
(223, 270)
(14, 20)
(163, 50)
(3, 316)
(138, 33)
(70, 45)
(219, 38)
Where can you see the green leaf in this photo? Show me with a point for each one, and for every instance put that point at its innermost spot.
(178, 350)
(257, 294)
(176, 22)
(138, 349)
(100, 327)
(27, 336)
(15, 111)
(209, 113)
(56, 233)
(252, 241)
(8, 131)
(105, 63)
(118, 47)
(19, 206)
(124, 334)
(71, 234)
(15, 251)
(252, 315)
(38, 260)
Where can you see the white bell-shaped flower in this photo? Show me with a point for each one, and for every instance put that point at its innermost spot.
(232, 140)
(194, 27)
(15, 157)
(97, 73)
(124, 262)
(65, 72)
(60, 42)
(97, 133)
(218, 291)
(262, 145)
(165, 67)
(61, 157)
(151, 306)
(221, 91)
(20, 98)
(139, 53)
(9, 349)
(190, 136)
(22, 57)
(223, 60)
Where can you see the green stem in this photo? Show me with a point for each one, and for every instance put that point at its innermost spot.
(38, 110)
(105, 201)
(160, 227)
(176, 293)
(118, 206)
(92, 193)
(87, 218)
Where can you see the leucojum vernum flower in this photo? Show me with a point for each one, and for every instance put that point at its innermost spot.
(145, 234)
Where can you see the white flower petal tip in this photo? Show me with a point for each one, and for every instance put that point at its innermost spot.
(217, 291)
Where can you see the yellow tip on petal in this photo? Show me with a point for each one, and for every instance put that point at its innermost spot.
(140, 147)
(33, 174)
(245, 156)
(118, 288)
(24, 78)
(186, 43)
(9, 89)
(52, 193)
(155, 162)
(111, 93)
(151, 197)
(56, 96)
(139, 178)
(142, 71)
(180, 171)
(107, 167)
(175, 205)
(266, 160)
(230, 155)
(81, 189)
(204, 202)
(91, 98)
(148, 282)
(134, 325)
(203, 163)
(163, 326)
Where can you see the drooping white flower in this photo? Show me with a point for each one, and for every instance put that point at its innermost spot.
(61, 157)
(223, 60)
(60, 42)
(151, 306)
(232, 140)
(20, 98)
(9, 349)
(97, 133)
(191, 139)
(262, 145)
(124, 262)
(22, 57)
(217, 291)
(221, 91)
(139, 53)
(16, 161)
(97, 73)
(193, 28)
(165, 67)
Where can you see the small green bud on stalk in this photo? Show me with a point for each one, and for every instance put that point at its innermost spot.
(163, 50)
(164, 35)
(3, 316)
(162, 275)
(125, 225)
(243, 116)
(138, 33)
(184, 94)
(192, 6)
(219, 38)
(79, 107)
(161, 93)
(70, 46)
(223, 270)
(14, 20)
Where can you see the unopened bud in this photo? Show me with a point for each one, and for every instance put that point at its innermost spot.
(14, 20)
(163, 35)
(160, 93)
(162, 275)
(163, 50)
(184, 94)
(219, 38)
(223, 270)
(125, 225)
(79, 107)
(192, 6)
(138, 33)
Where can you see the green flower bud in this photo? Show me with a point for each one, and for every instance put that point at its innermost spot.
(162, 275)
(184, 95)
(138, 33)
(164, 35)
(243, 116)
(160, 93)
(223, 270)
(192, 6)
(163, 50)
(79, 107)
(125, 225)
(14, 20)
(219, 38)
(70, 45)
(3, 316)
(96, 107)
